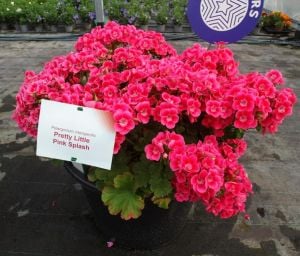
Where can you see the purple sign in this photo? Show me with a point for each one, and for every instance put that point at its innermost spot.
(224, 20)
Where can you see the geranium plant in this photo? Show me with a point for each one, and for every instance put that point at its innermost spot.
(180, 119)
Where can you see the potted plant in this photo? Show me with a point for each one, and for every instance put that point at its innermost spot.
(178, 17)
(22, 16)
(23, 23)
(8, 15)
(67, 17)
(51, 15)
(276, 22)
(140, 10)
(35, 12)
(180, 121)
(117, 10)
(3, 19)
(143, 20)
(86, 13)
(162, 16)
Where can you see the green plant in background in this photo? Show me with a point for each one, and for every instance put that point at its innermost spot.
(162, 13)
(50, 12)
(276, 20)
(3, 12)
(24, 11)
(139, 12)
(67, 14)
(35, 12)
(86, 11)
(117, 10)
(2, 21)
(146, 8)
(8, 12)
(179, 11)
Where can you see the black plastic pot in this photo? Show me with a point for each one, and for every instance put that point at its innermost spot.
(153, 229)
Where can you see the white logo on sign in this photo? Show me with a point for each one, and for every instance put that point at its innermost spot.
(223, 15)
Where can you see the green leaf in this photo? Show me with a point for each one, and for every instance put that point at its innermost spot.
(141, 174)
(120, 162)
(239, 133)
(101, 174)
(122, 198)
(124, 181)
(259, 128)
(92, 176)
(161, 202)
(99, 185)
(125, 202)
(159, 185)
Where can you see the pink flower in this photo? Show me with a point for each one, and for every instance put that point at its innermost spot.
(214, 180)
(264, 107)
(153, 152)
(245, 120)
(182, 192)
(123, 122)
(199, 182)
(275, 76)
(239, 146)
(143, 111)
(244, 102)
(207, 162)
(265, 87)
(119, 140)
(210, 59)
(174, 100)
(233, 187)
(283, 109)
(175, 160)
(210, 82)
(110, 92)
(211, 139)
(193, 107)
(175, 141)
(169, 117)
(199, 87)
(270, 124)
(287, 94)
(213, 108)
(231, 67)
(190, 164)
(135, 93)
(225, 109)
(180, 176)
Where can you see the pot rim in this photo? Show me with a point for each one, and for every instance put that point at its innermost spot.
(80, 177)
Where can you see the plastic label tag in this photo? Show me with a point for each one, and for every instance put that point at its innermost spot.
(75, 133)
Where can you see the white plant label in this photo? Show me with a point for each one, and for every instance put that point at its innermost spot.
(74, 133)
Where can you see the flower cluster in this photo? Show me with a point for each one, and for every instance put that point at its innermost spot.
(188, 112)
(107, 63)
(208, 171)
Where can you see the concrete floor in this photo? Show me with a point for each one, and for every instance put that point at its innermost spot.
(43, 211)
